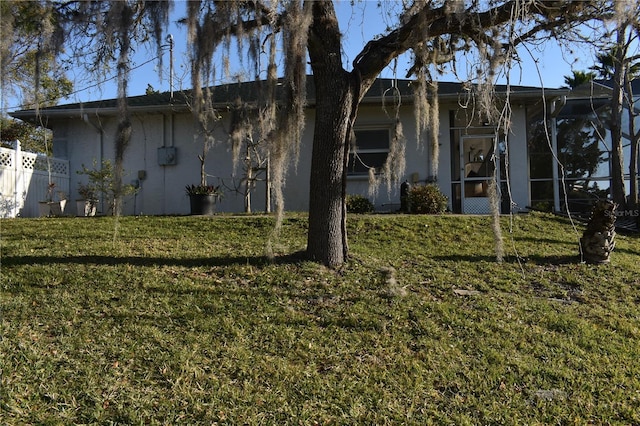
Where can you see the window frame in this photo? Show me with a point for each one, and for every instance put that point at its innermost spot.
(353, 171)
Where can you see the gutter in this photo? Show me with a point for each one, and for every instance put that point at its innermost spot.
(29, 115)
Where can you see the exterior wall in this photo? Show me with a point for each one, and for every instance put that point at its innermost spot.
(387, 198)
(162, 191)
(444, 157)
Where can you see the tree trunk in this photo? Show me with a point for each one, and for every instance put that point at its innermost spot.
(635, 141)
(327, 238)
(267, 195)
(203, 174)
(336, 103)
(248, 183)
(617, 157)
(124, 122)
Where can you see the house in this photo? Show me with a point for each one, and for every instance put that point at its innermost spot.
(162, 156)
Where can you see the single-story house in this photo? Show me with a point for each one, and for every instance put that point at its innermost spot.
(162, 156)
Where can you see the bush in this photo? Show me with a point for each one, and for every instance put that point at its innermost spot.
(359, 204)
(427, 199)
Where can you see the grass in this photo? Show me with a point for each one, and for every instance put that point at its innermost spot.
(181, 320)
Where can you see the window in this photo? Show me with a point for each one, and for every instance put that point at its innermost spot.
(372, 148)
(583, 150)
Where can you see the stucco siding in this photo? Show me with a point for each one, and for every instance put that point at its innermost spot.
(518, 160)
(162, 187)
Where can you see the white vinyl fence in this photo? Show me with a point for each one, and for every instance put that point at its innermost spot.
(25, 178)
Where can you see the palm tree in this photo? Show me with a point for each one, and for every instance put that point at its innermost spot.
(578, 78)
(597, 241)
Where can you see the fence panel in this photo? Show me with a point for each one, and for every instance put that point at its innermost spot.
(8, 163)
(25, 179)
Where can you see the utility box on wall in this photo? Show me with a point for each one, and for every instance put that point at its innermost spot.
(167, 156)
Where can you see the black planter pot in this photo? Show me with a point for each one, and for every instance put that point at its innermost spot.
(203, 204)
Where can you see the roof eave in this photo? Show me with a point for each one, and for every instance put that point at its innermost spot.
(528, 94)
(31, 116)
(80, 113)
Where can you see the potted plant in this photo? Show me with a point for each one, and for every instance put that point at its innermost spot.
(55, 203)
(203, 198)
(87, 204)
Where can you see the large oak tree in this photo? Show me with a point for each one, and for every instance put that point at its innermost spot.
(433, 31)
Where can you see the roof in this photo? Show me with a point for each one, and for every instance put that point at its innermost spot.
(600, 89)
(227, 94)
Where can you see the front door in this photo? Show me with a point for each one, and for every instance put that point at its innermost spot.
(477, 170)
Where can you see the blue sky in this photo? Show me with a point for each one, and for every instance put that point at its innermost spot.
(544, 66)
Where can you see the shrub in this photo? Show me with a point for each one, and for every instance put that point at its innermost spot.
(427, 199)
(359, 204)
(543, 206)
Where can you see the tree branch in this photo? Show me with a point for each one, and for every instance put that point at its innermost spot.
(429, 23)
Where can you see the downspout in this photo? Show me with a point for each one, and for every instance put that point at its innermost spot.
(167, 141)
(171, 130)
(555, 111)
(85, 118)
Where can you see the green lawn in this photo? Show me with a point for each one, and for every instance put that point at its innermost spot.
(182, 320)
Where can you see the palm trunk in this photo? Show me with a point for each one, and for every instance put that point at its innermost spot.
(598, 240)
(635, 141)
(617, 157)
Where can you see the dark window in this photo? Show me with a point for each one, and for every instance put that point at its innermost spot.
(372, 148)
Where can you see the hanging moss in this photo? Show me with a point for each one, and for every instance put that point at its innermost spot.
(211, 27)
(395, 164)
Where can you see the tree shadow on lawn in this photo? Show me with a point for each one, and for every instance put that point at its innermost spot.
(258, 261)
(288, 259)
(538, 259)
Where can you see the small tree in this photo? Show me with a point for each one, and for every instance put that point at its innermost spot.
(102, 180)
(246, 135)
